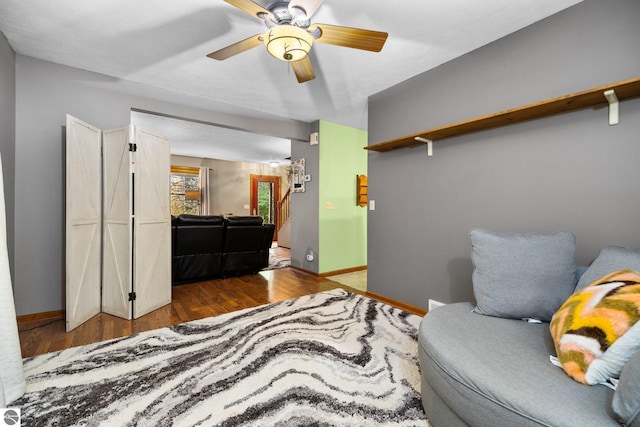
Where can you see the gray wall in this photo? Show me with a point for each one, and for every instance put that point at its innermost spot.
(7, 133)
(305, 220)
(230, 182)
(569, 172)
(45, 93)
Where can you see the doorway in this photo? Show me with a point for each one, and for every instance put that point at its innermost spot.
(265, 195)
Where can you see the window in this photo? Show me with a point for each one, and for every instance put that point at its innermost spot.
(185, 190)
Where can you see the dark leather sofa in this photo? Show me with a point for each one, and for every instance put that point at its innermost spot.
(246, 245)
(207, 247)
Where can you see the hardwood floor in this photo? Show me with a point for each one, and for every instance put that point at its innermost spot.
(189, 302)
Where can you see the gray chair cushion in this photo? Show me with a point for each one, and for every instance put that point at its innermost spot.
(610, 259)
(626, 399)
(496, 372)
(522, 275)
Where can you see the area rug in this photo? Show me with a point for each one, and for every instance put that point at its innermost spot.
(329, 359)
(277, 261)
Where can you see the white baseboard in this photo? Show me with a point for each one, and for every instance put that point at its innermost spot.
(434, 304)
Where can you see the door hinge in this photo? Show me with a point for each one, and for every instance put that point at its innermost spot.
(133, 147)
(132, 296)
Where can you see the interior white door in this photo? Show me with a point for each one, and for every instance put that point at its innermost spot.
(82, 221)
(117, 223)
(152, 223)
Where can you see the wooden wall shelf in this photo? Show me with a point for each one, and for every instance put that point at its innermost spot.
(575, 101)
(362, 191)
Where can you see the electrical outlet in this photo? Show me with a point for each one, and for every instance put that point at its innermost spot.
(328, 205)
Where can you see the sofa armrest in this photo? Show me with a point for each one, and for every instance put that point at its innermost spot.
(626, 399)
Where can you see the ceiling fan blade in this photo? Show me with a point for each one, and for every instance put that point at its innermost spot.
(309, 6)
(355, 38)
(236, 48)
(251, 8)
(303, 69)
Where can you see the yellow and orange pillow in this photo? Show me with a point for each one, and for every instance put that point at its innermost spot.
(597, 330)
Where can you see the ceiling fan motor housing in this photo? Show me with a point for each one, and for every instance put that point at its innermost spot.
(284, 14)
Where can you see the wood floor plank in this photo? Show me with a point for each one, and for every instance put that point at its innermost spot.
(189, 302)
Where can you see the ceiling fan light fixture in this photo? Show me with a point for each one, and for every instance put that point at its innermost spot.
(288, 42)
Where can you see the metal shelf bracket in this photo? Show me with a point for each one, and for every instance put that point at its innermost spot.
(613, 106)
(429, 145)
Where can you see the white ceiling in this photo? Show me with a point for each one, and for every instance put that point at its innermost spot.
(196, 139)
(164, 44)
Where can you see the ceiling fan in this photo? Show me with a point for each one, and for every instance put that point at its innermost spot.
(290, 34)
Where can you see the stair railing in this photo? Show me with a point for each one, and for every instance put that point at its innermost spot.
(284, 209)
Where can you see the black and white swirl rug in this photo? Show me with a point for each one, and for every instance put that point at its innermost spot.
(329, 359)
(277, 261)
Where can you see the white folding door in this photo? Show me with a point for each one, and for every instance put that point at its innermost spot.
(83, 222)
(152, 223)
(134, 217)
(117, 210)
